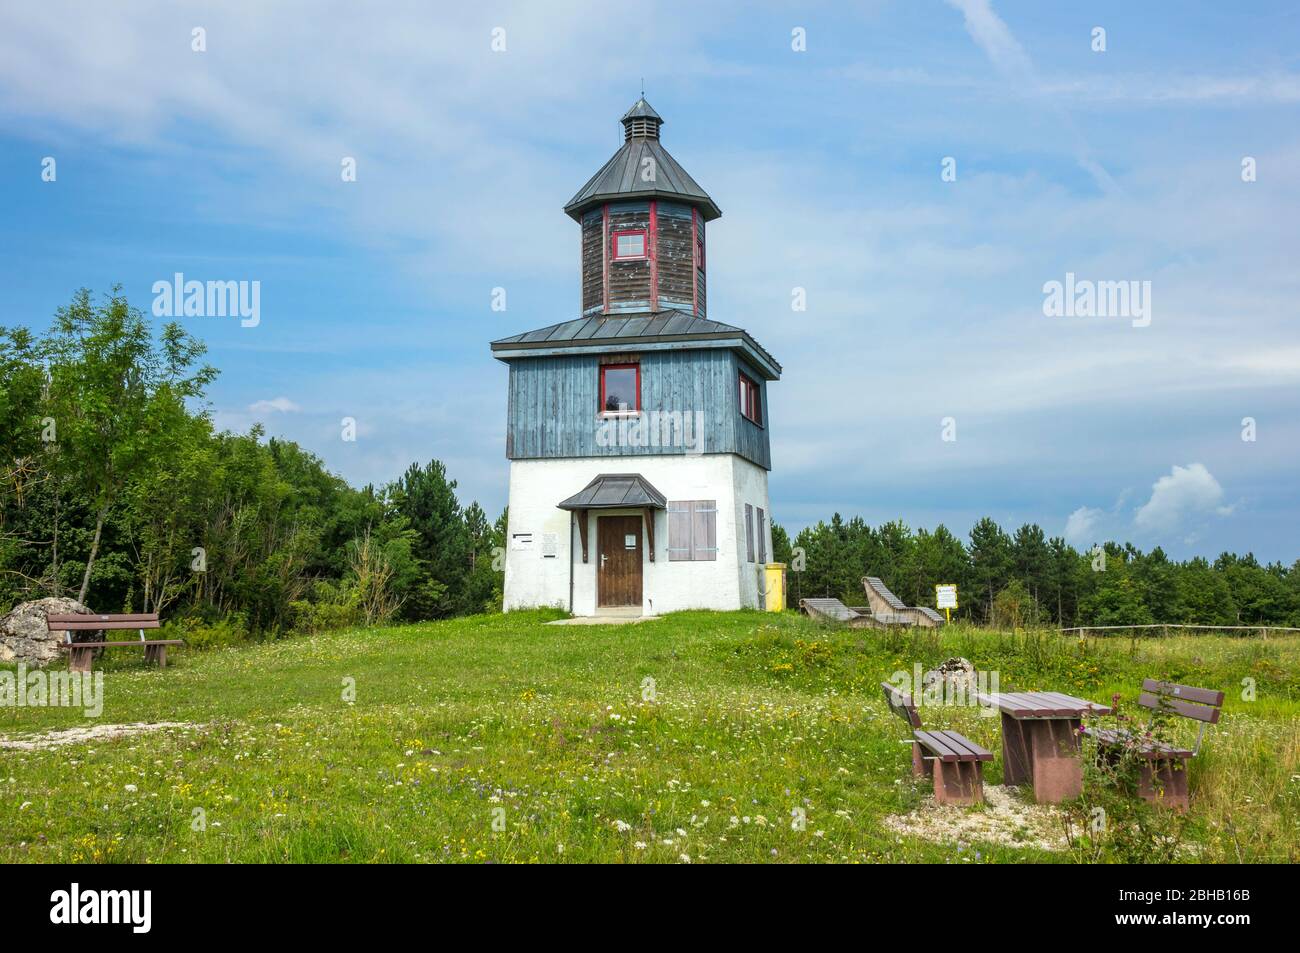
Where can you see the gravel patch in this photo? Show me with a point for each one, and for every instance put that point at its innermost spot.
(76, 736)
(1005, 819)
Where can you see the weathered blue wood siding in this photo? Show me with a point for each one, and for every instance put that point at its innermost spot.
(554, 406)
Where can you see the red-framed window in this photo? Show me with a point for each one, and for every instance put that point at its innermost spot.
(630, 244)
(620, 388)
(751, 400)
(699, 250)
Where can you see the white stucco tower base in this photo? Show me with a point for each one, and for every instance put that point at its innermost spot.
(544, 566)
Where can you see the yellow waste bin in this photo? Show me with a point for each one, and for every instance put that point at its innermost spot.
(775, 586)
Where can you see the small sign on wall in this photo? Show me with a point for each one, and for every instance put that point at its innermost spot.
(521, 542)
(550, 545)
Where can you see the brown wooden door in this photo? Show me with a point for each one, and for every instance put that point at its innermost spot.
(618, 573)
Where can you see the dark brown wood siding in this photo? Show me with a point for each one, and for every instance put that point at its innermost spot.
(629, 281)
(701, 267)
(675, 257)
(673, 280)
(593, 262)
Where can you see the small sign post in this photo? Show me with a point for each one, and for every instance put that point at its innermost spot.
(945, 598)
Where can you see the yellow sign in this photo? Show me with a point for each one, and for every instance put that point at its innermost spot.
(945, 598)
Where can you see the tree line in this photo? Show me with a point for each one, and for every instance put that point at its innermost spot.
(116, 490)
(1027, 578)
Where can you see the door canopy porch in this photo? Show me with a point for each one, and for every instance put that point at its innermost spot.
(612, 491)
(617, 491)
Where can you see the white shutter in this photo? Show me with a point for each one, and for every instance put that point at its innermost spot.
(693, 530)
(749, 532)
(705, 530)
(679, 531)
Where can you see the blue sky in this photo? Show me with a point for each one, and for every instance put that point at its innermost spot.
(925, 297)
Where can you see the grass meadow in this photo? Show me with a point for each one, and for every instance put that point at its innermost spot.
(761, 738)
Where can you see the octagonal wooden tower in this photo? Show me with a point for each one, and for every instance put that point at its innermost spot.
(643, 219)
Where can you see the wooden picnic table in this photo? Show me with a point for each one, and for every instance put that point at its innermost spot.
(1041, 740)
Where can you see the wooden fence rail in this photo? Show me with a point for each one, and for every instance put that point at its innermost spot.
(1265, 629)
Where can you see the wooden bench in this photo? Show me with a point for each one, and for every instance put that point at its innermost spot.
(80, 654)
(960, 775)
(1163, 772)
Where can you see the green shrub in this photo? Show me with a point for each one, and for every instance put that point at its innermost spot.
(1014, 607)
(1110, 822)
(202, 634)
(331, 607)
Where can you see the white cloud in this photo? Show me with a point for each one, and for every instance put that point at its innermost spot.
(1163, 88)
(276, 405)
(1184, 492)
(1137, 89)
(993, 36)
(1282, 361)
(1080, 524)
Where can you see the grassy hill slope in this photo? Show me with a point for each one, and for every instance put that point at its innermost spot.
(500, 738)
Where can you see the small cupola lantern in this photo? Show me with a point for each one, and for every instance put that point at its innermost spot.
(642, 219)
(641, 121)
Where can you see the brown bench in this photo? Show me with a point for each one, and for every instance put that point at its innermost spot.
(1163, 775)
(81, 653)
(960, 775)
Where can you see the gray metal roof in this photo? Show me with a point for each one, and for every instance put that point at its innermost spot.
(614, 491)
(652, 327)
(620, 178)
(641, 110)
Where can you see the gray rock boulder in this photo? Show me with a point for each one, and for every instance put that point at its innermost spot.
(23, 635)
(953, 675)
